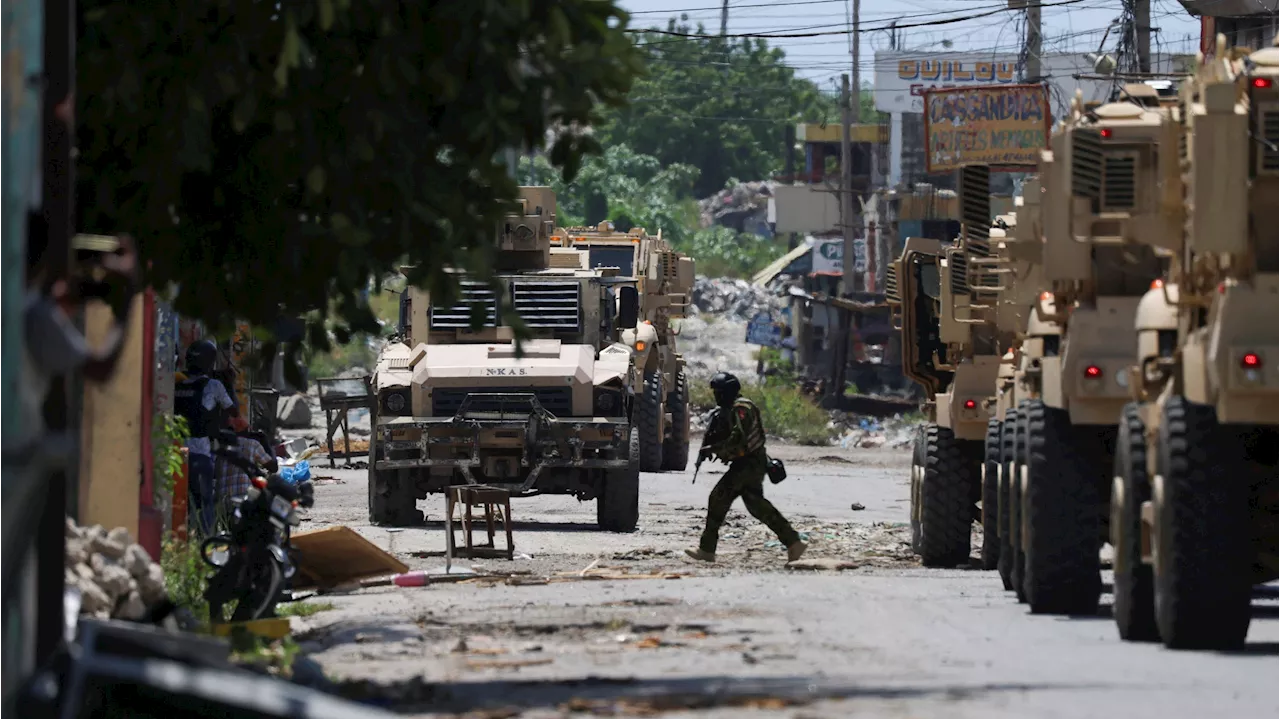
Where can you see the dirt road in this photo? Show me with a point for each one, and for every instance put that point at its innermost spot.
(746, 637)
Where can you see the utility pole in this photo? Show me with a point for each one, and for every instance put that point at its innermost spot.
(841, 354)
(1034, 41)
(857, 80)
(724, 18)
(1142, 26)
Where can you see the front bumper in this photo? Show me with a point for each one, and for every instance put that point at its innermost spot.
(544, 440)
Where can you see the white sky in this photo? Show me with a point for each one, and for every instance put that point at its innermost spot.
(1073, 28)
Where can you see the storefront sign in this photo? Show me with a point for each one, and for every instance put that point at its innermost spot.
(1001, 127)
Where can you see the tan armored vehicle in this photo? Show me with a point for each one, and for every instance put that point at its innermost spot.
(944, 299)
(461, 405)
(1102, 227)
(665, 281)
(1194, 497)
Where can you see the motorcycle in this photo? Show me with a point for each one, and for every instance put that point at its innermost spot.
(253, 559)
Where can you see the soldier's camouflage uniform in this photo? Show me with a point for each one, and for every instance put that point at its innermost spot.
(743, 449)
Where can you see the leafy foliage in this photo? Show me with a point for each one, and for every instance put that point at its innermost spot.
(271, 157)
(719, 105)
(167, 437)
(790, 414)
(723, 252)
(631, 189)
(185, 574)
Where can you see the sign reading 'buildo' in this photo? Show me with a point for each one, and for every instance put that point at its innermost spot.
(1001, 127)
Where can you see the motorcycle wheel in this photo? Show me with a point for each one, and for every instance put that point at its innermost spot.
(265, 581)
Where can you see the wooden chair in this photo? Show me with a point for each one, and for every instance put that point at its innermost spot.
(493, 501)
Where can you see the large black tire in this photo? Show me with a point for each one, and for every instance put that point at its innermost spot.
(1016, 523)
(917, 470)
(393, 498)
(648, 417)
(1134, 608)
(1203, 553)
(1007, 467)
(991, 496)
(618, 504)
(946, 510)
(1061, 511)
(675, 453)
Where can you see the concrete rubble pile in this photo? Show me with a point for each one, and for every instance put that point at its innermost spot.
(856, 431)
(743, 207)
(116, 577)
(731, 299)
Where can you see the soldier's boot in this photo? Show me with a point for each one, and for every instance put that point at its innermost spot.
(701, 555)
(796, 550)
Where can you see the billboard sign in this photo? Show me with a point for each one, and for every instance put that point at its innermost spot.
(828, 256)
(903, 78)
(1001, 127)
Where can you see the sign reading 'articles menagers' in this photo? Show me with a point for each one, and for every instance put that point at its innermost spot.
(1004, 128)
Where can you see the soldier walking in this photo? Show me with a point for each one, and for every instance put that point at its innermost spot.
(736, 437)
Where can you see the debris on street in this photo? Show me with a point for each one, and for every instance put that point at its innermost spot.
(334, 556)
(114, 576)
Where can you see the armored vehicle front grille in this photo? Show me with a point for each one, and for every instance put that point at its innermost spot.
(975, 209)
(547, 305)
(891, 283)
(1271, 135)
(445, 401)
(1118, 189)
(670, 265)
(958, 265)
(459, 316)
(1086, 163)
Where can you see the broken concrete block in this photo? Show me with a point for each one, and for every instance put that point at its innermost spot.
(136, 560)
(151, 584)
(73, 532)
(110, 575)
(294, 413)
(76, 552)
(92, 599)
(131, 606)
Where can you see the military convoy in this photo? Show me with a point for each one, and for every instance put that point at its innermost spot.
(1128, 312)
(594, 395)
(665, 282)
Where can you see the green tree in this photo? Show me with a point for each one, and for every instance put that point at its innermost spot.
(631, 189)
(719, 105)
(270, 157)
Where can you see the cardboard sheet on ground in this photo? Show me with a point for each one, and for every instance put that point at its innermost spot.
(337, 555)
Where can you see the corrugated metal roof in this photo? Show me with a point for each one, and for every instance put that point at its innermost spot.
(766, 275)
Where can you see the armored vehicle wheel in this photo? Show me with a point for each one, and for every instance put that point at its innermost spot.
(675, 452)
(393, 498)
(1203, 553)
(1134, 608)
(946, 511)
(618, 503)
(1017, 530)
(1007, 467)
(648, 415)
(991, 496)
(1060, 508)
(917, 469)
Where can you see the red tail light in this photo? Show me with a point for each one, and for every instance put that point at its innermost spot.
(1262, 83)
(1093, 371)
(970, 404)
(1250, 360)
(1106, 133)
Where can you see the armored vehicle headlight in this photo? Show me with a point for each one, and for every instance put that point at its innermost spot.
(608, 400)
(395, 402)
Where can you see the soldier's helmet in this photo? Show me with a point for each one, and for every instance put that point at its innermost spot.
(201, 357)
(725, 387)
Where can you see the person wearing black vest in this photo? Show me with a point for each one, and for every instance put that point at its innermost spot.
(205, 404)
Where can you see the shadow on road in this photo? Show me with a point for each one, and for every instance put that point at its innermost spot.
(642, 696)
(479, 527)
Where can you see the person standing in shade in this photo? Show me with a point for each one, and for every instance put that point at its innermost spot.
(736, 436)
(204, 402)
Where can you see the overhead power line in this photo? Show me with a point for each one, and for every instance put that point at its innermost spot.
(846, 31)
